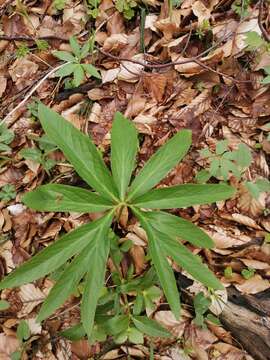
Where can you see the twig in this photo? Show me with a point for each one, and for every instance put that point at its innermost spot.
(172, 63)
(28, 38)
(32, 91)
(260, 20)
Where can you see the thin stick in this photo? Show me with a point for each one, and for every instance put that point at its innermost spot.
(33, 90)
(260, 20)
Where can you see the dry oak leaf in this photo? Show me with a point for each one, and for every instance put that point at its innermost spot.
(168, 320)
(229, 352)
(224, 239)
(253, 285)
(8, 345)
(3, 84)
(30, 296)
(201, 12)
(22, 72)
(192, 68)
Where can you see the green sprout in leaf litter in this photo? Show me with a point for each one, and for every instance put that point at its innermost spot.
(74, 65)
(224, 161)
(87, 248)
(7, 192)
(6, 137)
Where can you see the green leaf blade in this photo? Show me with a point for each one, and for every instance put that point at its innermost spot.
(163, 269)
(79, 150)
(191, 263)
(91, 70)
(123, 152)
(56, 197)
(150, 327)
(53, 256)
(161, 163)
(177, 227)
(184, 196)
(95, 279)
(66, 284)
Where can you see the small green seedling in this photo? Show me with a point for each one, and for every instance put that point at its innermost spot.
(40, 154)
(240, 7)
(223, 162)
(23, 334)
(126, 7)
(88, 246)
(257, 187)
(74, 64)
(8, 192)
(92, 6)
(59, 4)
(201, 306)
(4, 305)
(22, 50)
(6, 137)
(248, 273)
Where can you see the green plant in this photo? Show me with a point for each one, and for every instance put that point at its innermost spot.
(248, 273)
(40, 155)
(201, 306)
(59, 4)
(42, 45)
(8, 192)
(240, 7)
(22, 50)
(23, 334)
(266, 80)
(74, 65)
(33, 108)
(228, 272)
(4, 305)
(203, 29)
(6, 137)
(88, 247)
(93, 8)
(257, 187)
(224, 161)
(126, 7)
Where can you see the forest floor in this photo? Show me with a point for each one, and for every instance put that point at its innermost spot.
(202, 65)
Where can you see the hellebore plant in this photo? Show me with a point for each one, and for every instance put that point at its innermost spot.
(88, 246)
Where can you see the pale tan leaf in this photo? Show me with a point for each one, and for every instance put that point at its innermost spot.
(253, 285)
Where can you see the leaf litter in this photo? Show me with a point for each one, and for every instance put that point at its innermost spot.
(197, 71)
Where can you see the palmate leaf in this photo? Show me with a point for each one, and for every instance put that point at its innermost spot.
(163, 268)
(184, 195)
(55, 255)
(79, 150)
(176, 227)
(124, 146)
(95, 279)
(56, 197)
(160, 164)
(76, 270)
